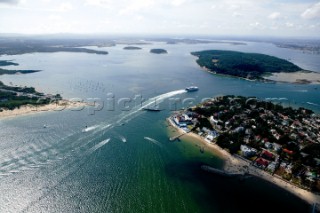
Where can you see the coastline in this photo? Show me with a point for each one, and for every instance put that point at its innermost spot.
(52, 107)
(300, 77)
(235, 164)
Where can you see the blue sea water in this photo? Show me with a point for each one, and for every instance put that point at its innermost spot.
(117, 158)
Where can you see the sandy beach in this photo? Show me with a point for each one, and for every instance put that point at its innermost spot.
(302, 77)
(53, 107)
(234, 164)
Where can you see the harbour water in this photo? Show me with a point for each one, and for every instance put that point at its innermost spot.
(118, 158)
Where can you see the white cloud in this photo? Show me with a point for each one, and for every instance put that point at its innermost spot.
(289, 24)
(157, 16)
(257, 25)
(236, 15)
(55, 17)
(64, 7)
(312, 12)
(274, 16)
(99, 3)
(137, 5)
(178, 2)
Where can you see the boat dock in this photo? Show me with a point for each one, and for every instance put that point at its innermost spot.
(178, 136)
(219, 171)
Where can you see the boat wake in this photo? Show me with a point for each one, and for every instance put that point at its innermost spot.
(90, 128)
(99, 145)
(54, 148)
(313, 104)
(123, 139)
(150, 102)
(276, 99)
(154, 141)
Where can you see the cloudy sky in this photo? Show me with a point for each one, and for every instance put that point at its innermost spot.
(207, 17)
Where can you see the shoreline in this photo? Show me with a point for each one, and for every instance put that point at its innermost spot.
(234, 164)
(52, 107)
(299, 77)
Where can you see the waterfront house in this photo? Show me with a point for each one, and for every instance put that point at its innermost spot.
(262, 163)
(267, 155)
(248, 151)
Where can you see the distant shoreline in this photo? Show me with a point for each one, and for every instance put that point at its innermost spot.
(235, 164)
(254, 67)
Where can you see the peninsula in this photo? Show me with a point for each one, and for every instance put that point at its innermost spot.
(11, 46)
(250, 66)
(13, 72)
(279, 144)
(12, 97)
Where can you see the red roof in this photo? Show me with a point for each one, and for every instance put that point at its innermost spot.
(288, 151)
(268, 154)
(261, 161)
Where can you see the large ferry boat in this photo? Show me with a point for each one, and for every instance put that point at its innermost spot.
(152, 109)
(192, 89)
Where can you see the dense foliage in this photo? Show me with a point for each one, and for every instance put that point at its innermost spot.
(13, 72)
(14, 47)
(132, 48)
(158, 51)
(15, 97)
(246, 65)
(7, 63)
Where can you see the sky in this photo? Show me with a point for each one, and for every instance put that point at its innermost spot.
(162, 17)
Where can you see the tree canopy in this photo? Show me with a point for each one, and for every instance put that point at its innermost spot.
(246, 65)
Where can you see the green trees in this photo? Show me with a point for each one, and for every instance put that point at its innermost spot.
(14, 97)
(245, 65)
(158, 51)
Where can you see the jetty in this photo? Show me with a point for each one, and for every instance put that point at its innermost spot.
(178, 136)
(219, 171)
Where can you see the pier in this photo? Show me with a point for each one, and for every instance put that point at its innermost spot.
(219, 171)
(178, 136)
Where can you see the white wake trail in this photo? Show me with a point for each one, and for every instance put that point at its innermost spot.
(99, 145)
(154, 141)
(123, 139)
(90, 128)
(150, 102)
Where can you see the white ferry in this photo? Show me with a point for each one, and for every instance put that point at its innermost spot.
(192, 89)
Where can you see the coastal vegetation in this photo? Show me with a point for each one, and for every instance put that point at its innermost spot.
(46, 49)
(7, 63)
(132, 48)
(12, 97)
(158, 51)
(282, 141)
(13, 72)
(244, 65)
(23, 46)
